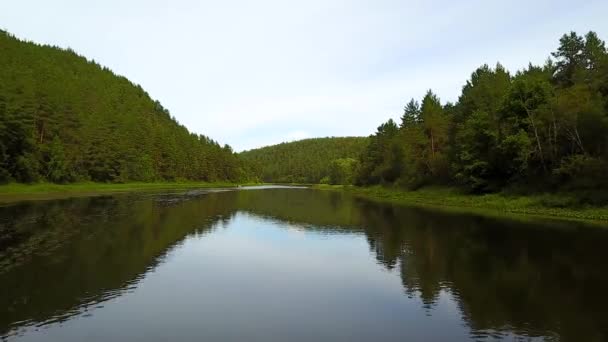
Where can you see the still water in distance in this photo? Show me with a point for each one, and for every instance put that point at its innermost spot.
(284, 264)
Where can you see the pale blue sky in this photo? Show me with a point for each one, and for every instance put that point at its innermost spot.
(253, 73)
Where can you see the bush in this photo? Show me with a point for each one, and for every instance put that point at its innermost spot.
(585, 177)
(27, 168)
(581, 172)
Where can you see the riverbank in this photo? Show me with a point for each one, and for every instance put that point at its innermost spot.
(545, 205)
(15, 192)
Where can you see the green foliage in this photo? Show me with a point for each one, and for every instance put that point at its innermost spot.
(57, 168)
(569, 57)
(564, 205)
(546, 126)
(477, 150)
(585, 174)
(380, 162)
(412, 153)
(66, 119)
(342, 171)
(304, 161)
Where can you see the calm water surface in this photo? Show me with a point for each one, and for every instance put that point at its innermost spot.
(292, 265)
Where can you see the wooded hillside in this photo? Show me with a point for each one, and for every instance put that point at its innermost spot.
(64, 119)
(319, 160)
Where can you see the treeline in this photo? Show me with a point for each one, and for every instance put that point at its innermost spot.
(319, 160)
(64, 119)
(543, 128)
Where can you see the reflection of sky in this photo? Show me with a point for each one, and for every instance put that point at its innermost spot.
(253, 279)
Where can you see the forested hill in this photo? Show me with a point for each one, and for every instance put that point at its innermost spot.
(64, 118)
(544, 127)
(316, 160)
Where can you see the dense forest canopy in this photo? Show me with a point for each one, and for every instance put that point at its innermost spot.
(542, 128)
(319, 160)
(64, 118)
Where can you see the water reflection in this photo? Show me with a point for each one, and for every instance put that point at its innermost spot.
(60, 257)
(498, 279)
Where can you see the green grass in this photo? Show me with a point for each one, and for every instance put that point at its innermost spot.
(19, 192)
(545, 205)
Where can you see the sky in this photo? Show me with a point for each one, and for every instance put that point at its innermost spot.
(255, 73)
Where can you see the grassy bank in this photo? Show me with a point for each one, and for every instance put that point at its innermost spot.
(546, 205)
(19, 192)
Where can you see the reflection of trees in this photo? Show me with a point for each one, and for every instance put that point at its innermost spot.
(66, 255)
(322, 210)
(505, 276)
(519, 277)
(522, 277)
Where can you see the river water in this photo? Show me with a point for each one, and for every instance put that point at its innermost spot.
(292, 264)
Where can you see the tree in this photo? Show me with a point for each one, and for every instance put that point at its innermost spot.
(546, 126)
(525, 109)
(435, 125)
(342, 171)
(411, 114)
(569, 57)
(594, 51)
(57, 168)
(380, 162)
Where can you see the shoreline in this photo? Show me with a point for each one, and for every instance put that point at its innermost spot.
(447, 199)
(450, 199)
(16, 192)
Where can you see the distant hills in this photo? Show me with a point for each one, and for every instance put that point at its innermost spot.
(305, 161)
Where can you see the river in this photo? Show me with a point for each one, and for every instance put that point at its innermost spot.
(292, 264)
